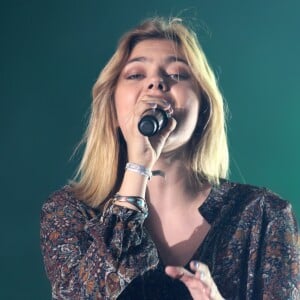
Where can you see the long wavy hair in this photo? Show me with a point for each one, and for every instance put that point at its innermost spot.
(105, 153)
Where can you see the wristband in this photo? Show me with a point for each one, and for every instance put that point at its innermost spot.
(139, 169)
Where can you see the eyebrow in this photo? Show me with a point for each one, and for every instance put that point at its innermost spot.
(168, 60)
(171, 59)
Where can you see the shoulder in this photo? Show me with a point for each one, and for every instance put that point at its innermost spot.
(61, 197)
(259, 200)
(64, 202)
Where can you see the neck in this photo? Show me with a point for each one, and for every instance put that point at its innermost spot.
(175, 190)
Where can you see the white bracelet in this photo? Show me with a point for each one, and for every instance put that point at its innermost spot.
(139, 169)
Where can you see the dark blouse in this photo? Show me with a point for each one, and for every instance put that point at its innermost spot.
(252, 248)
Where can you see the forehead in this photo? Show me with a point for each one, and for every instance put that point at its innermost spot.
(156, 48)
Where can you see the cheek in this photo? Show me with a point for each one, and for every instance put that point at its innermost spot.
(124, 102)
(119, 107)
(187, 117)
(120, 103)
(192, 107)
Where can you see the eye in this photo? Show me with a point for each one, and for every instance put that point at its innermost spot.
(136, 76)
(179, 76)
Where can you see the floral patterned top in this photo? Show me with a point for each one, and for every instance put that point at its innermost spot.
(252, 248)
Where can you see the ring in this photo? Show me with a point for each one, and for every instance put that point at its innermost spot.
(180, 275)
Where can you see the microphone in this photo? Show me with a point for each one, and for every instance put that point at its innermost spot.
(152, 121)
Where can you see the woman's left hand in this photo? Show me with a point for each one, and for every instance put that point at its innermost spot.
(200, 284)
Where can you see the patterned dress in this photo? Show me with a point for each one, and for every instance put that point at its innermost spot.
(252, 248)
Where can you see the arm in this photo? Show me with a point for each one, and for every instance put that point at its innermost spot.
(96, 258)
(279, 276)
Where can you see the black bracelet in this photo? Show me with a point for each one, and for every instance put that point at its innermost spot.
(137, 202)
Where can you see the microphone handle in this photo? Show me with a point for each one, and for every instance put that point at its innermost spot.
(152, 121)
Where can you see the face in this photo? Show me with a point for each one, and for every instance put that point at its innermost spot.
(156, 69)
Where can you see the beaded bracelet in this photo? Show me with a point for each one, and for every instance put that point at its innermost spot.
(137, 202)
(139, 169)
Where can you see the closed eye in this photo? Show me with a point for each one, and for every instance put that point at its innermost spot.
(179, 76)
(135, 76)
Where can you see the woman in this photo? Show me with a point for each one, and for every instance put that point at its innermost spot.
(152, 217)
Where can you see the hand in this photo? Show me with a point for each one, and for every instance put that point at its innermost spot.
(200, 284)
(144, 150)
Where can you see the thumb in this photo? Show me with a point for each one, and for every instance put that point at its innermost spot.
(177, 272)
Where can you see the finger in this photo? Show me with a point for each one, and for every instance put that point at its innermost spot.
(188, 278)
(171, 125)
(162, 102)
(159, 140)
(146, 101)
(195, 286)
(201, 271)
(177, 272)
(143, 106)
(134, 116)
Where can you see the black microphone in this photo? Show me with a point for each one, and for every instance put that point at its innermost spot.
(152, 121)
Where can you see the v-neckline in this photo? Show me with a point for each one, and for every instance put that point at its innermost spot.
(199, 249)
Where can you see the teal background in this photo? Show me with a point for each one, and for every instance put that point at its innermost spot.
(51, 53)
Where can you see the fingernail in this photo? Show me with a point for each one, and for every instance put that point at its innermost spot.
(196, 264)
(202, 275)
(153, 105)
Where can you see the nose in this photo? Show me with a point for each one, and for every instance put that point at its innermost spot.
(157, 84)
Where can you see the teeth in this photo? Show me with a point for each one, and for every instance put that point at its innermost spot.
(169, 112)
(165, 102)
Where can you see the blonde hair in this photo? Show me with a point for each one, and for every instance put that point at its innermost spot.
(105, 154)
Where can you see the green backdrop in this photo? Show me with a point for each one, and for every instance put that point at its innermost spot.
(51, 54)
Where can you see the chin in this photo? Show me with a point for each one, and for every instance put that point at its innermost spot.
(174, 145)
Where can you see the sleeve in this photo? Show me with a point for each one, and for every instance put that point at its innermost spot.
(280, 264)
(96, 258)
